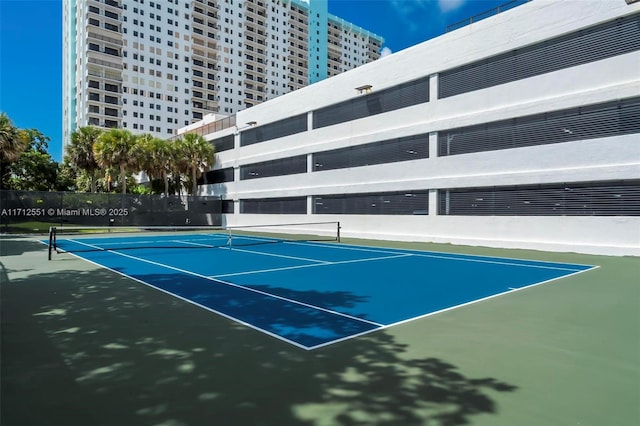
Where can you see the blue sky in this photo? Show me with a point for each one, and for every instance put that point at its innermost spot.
(31, 48)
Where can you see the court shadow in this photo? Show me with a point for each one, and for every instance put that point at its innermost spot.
(326, 299)
(94, 348)
(15, 245)
(287, 316)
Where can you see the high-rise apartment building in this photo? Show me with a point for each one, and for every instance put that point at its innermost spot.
(155, 66)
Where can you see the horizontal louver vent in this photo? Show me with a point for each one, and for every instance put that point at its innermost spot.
(389, 151)
(603, 199)
(401, 96)
(280, 167)
(279, 129)
(227, 206)
(589, 45)
(393, 203)
(587, 122)
(223, 144)
(291, 205)
(217, 176)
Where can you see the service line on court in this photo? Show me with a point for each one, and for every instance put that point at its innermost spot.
(260, 253)
(323, 263)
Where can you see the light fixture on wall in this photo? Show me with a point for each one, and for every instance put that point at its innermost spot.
(246, 126)
(366, 88)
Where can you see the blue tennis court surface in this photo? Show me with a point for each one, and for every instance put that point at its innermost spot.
(313, 294)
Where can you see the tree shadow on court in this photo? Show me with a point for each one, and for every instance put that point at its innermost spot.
(91, 347)
(326, 299)
(287, 316)
(15, 245)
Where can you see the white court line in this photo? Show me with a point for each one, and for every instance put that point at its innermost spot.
(344, 338)
(199, 244)
(200, 237)
(265, 254)
(264, 293)
(275, 255)
(324, 263)
(489, 297)
(418, 252)
(511, 290)
(262, 330)
(450, 256)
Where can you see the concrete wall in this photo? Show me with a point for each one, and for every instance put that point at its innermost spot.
(604, 159)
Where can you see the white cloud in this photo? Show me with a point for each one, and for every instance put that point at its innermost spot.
(408, 10)
(449, 5)
(385, 52)
(421, 19)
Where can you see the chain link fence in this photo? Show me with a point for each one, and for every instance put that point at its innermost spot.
(29, 211)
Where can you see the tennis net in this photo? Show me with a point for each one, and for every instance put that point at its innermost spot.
(74, 239)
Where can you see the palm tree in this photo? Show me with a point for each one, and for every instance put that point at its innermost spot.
(143, 153)
(194, 154)
(80, 151)
(13, 142)
(156, 157)
(114, 149)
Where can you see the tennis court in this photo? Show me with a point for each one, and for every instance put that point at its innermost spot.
(308, 293)
(85, 342)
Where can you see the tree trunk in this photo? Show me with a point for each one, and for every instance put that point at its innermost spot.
(123, 178)
(1, 174)
(194, 184)
(166, 183)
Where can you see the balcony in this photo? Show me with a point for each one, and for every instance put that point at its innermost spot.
(101, 120)
(249, 59)
(197, 41)
(113, 3)
(111, 112)
(112, 100)
(259, 35)
(112, 88)
(111, 15)
(105, 74)
(111, 27)
(197, 53)
(111, 51)
(106, 39)
(255, 92)
(204, 106)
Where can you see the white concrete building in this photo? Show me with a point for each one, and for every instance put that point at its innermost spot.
(154, 66)
(521, 130)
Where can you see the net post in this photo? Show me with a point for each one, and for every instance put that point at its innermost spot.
(51, 236)
(338, 233)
